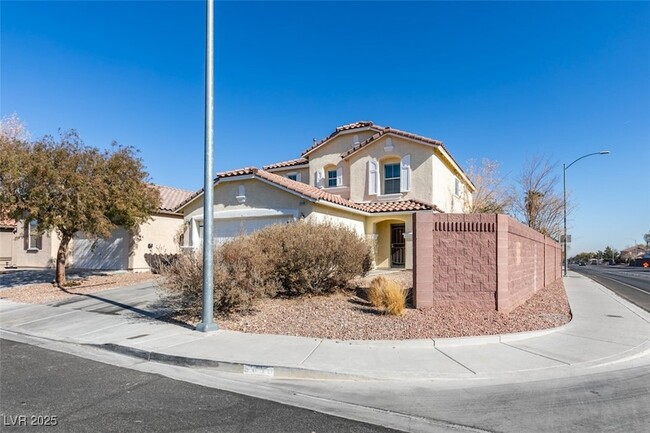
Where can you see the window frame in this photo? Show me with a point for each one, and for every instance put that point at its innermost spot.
(395, 179)
(332, 181)
(34, 239)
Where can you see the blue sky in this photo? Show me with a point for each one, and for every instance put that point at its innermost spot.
(503, 81)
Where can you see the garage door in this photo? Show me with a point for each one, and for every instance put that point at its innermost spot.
(101, 254)
(225, 229)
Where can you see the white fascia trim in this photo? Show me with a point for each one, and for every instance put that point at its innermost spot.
(235, 178)
(249, 213)
(343, 208)
(460, 171)
(289, 168)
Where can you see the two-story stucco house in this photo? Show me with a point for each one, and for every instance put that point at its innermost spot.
(368, 177)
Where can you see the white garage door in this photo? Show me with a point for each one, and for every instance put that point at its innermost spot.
(225, 229)
(101, 254)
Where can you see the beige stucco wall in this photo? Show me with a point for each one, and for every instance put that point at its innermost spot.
(443, 187)
(160, 231)
(259, 195)
(261, 199)
(43, 258)
(330, 154)
(285, 172)
(380, 226)
(320, 213)
(421, 168)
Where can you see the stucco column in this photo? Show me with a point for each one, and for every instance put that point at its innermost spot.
(408, 243)
(195, 241)
(372, 239)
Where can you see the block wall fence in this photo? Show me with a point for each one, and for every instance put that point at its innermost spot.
(479, 260)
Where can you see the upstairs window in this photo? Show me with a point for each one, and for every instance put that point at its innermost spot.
(392, 178)
(331, 178)
(457, 187)
(293, 176)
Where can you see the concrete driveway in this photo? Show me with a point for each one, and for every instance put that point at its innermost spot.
(25, 276)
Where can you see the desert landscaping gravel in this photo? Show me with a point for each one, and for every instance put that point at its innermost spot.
(349, 317)
(345, 316)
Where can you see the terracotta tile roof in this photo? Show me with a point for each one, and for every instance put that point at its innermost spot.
(171, 198)
(306, 190)
(386, 130)
(7, 223)
(290, 163)
(319, 194)
(397, 206)
(355, 125)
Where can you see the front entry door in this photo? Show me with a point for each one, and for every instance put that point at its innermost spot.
(397, 245)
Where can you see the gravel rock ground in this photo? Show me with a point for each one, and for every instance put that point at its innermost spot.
(345, 316)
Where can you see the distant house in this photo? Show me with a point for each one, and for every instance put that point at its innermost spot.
(22, 246)
(635, 252)
(367, 177)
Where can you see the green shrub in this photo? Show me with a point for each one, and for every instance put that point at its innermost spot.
(314, 258)
(388, 295)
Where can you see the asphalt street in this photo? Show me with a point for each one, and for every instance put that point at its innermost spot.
(632, 283)
(61, 392)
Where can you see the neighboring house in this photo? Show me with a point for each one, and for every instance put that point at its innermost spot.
(365, 176)
(21, 245)
(635, 252)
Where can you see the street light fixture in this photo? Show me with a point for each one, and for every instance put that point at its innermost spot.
(565, 168)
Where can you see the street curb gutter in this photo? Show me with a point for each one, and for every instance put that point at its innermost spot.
(227, 366)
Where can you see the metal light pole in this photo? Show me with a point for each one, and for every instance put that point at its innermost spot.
(207, 315)
(565, 168)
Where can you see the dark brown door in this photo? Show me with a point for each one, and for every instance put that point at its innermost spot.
(397, 245)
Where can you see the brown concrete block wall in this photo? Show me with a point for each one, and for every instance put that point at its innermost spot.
(482, 261)
(457, 253)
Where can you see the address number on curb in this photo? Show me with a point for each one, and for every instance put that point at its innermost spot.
(258, 370)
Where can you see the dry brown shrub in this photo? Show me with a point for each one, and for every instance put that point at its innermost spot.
(314, 258)
(241, 274)
(387, 294)
(290, 259)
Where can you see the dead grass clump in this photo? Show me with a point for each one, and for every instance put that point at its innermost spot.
(388, 295)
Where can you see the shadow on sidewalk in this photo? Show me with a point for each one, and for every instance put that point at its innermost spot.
(159, 309)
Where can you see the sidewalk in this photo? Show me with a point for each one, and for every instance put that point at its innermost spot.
(604, 329)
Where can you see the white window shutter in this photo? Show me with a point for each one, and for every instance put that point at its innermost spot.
(319, 178)
(339, 176)
(373, 177)
(405, 175)
(298, 177)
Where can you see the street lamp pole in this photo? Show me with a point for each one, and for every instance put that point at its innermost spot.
(564, 169)
(207, 314)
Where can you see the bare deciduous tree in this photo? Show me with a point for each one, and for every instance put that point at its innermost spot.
(538, 204)
(492, 194)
